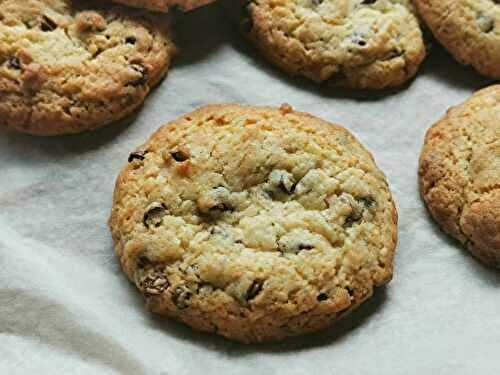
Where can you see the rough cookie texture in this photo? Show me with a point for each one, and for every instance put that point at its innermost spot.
(67, 67)
(469, 29)
(460, 174)
(254, 223)
(353, 43)
(165, 5)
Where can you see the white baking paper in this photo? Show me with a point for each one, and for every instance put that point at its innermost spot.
(66, 308)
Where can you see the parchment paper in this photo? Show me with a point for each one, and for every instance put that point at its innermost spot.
(66, 308)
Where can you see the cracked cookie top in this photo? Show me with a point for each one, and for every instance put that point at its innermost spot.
(252, 222)
(165, 5)
(469, 29)
(460, 174)
(354, 43)
(67, 66)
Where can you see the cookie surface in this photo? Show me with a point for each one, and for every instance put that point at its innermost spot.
(254, 223)
(469, 29)
(165, 5)
(353, 43)
(460, 174)
(67, 67)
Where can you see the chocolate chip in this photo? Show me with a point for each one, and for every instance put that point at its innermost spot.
(368, 2)
(192, 268)
(47, 24)
(293, 243)
(368, 202)
(254, 290)
(181, 297)
(221, 207)
(317, 2)
(219, 231)
(286, 188)
(179, 156)
(144, 75)
(137, 155)
(352, 219)
(393, 54)
(350, 291)
(322, 297)
(359, 39)
(358, 207)
(280, 181)
(303, 246)
(130, 40)
(143, 261)
(154, 215)
(215, 201)
(14, 63)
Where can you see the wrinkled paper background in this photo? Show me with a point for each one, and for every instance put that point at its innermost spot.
(66, 308)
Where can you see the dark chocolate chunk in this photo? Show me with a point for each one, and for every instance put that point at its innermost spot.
(350, 291)
(254, 290)
(322, 297)
(130, 40)
(221, 207)
(47, 24)
(368, 202)
(303, 246)
(144, 75)
(143, 261)
(179, 156)
(359, 40)
(393, 54)
(137, 155)
(154, 215)
(14, 63)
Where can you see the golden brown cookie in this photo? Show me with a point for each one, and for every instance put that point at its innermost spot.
(165, 5)
(254, 223)
(67, 67)
(469, 29)
(353, 43)
(460, 174)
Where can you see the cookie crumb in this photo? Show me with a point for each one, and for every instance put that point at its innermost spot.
(286, 108)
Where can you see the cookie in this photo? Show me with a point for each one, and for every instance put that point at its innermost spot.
(469, 29)
(352, 43)
(67, 67)
(460, 174)
(165, 5)
(254, 223)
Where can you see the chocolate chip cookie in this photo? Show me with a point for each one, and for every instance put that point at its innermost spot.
(353, 43)
(254, 223)
(469, 29)
(67, 67)
(165, 5)
(460, 174)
